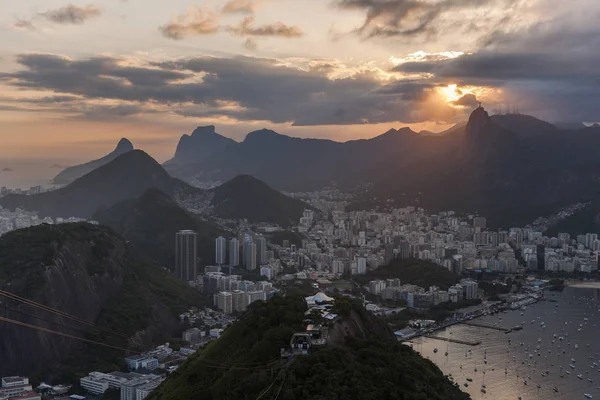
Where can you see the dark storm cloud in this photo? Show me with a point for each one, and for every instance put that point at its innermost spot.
(97, 77)
(276, 29)
(72, 14)
(244, 88)
(468, 100)
(506, 66)
(405, 18)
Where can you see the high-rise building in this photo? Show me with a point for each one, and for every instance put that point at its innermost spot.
(250, 255)
(239, 300)
(220, 250)
(361, 265)
(224, 302)
(479, 222)
(186, 255)
(469, 288)
(389, 252)
(234, 252)
(405, 252)
(261, 249)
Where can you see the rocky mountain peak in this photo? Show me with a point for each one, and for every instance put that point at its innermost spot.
(478, 119)
(204, 130)
(124, 146)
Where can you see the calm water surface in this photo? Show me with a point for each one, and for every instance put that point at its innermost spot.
(510, 363)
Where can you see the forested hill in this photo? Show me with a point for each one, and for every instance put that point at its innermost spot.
(363, 361)
(150, 223)
(91, 273)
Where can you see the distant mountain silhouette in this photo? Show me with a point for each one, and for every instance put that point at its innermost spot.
(200, 145)
(289, 163)
(569, 125)
(71, 173)
(524, 124)
(127, 176)
(150, 222)
(512, 178)
(247, 197)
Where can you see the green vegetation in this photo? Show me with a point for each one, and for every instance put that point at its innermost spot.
(136, 298)
(247, 197)
(556, 285)
(25, 253)
(295, 238)
(244, 364)
(495, 289)
(150, 222)
(150, 300)
(583, 221)
(415, 272)
(437, 313)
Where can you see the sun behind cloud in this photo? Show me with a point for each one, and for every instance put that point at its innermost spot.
(451, 93)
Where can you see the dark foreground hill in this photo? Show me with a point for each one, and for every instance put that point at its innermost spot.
(70, 174)
(128, 176)
(363, 361)
(89, 272)
(247, 197)
(150, 222)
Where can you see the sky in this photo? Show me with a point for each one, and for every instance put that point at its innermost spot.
(77, 76)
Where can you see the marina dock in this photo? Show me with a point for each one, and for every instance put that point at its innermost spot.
(498, 328)
(459, 341)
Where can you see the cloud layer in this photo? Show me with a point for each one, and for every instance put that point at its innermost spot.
(71, 14)
(279, 29)
(193, 23)
(240, 88)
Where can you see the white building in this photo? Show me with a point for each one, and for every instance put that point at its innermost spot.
(361, 265)
(220, 250)
(224, 302)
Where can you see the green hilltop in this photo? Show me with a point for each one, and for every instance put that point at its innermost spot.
(362, 361)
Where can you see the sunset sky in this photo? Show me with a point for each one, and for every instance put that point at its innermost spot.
(75, 77)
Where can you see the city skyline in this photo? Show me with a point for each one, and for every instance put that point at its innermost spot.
(77, 76)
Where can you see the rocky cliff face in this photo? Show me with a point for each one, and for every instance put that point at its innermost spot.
(89, 272)
(76, 276)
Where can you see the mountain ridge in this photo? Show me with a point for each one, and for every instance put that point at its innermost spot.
(202, 143)
(127, 176)
(150, 223)
(247, 197)
(70, 174)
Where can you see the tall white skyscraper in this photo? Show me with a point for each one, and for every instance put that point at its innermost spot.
(261, 249)
(361, 265)
(186, 255)
(234, 252)
(220, 250)
(250, 255)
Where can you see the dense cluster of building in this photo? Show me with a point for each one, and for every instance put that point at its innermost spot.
(354, 242)
(4, 191)
(419, 298)
(12, 220)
